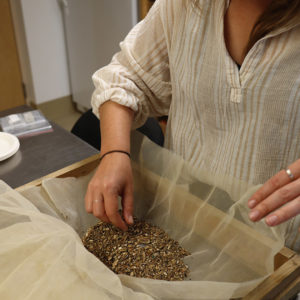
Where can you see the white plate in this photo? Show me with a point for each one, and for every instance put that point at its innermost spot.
(9, 145)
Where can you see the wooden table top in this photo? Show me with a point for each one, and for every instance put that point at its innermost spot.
(42, 154)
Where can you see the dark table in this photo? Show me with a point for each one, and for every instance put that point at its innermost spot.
(42, 154)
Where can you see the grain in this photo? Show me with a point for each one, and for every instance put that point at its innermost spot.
(143, 251)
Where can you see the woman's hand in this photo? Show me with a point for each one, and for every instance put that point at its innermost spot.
(113, 178)
(278, 198)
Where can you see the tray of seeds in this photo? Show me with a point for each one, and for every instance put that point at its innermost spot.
(145, 250)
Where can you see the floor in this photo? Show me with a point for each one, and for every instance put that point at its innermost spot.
(61, 111)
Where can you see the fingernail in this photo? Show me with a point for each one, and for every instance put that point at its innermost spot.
(89, 209)
(130, 219)
(272, 220)
(254, 215)
(251, 203)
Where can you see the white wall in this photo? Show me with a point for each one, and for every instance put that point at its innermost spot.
(94, 29)
(44, 33)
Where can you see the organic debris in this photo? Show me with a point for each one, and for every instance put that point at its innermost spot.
(143, 251)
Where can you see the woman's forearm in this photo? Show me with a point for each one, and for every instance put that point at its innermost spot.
(116, 121)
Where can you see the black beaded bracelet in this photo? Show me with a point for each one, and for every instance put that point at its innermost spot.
(112, 151)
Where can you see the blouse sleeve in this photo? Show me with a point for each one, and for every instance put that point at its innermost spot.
(138, 76)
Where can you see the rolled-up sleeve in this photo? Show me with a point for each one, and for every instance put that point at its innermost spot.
(138, 76)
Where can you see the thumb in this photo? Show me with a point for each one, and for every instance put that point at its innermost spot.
(128, 205)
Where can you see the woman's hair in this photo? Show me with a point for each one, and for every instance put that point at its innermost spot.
(277, 14)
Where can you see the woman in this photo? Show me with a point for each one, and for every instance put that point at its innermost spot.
(227, 73)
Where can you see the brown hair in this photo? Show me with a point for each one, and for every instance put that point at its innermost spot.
(277, 14)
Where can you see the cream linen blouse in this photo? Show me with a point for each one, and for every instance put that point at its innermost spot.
(241, 123)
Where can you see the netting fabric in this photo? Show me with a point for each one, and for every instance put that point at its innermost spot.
(42, 256)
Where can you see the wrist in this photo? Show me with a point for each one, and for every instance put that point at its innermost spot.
(122, 152)
(106, 149)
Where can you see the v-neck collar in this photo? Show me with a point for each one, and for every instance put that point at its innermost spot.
(234, 74)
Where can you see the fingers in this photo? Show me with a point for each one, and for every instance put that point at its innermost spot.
(99, 209)
(273, 184)
(127, 204)
(88, 201)
(276, 182)
(277, 199)
(105, 205)
(283, 214)
(112, 210)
